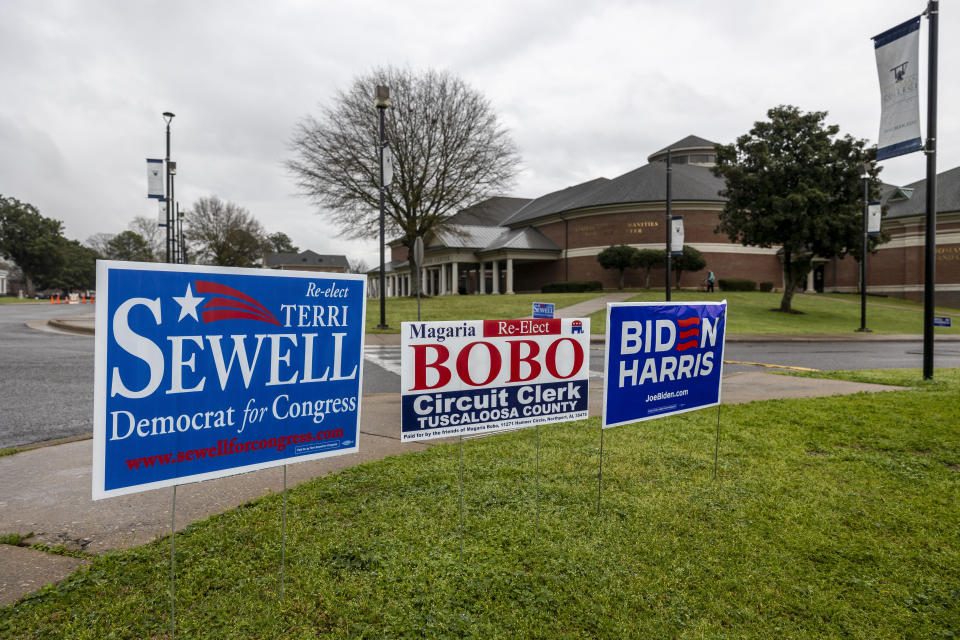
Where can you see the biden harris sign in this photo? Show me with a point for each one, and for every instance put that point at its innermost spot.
(203, 372)
(662, 359)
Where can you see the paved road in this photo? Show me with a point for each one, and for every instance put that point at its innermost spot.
(47, 378)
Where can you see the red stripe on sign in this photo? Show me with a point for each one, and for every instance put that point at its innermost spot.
(686, 322)
(683, 346)
(688, 333)
(508, 328)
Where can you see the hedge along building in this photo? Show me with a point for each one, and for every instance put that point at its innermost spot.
(505, 245)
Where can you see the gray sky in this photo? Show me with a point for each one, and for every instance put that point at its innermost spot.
(587, 89)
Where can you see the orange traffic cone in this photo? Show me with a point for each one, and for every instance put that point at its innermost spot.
(83, 299)
(51, 300)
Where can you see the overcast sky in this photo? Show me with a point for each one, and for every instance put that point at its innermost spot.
(587, 89)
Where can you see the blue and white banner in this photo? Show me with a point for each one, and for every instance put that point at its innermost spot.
(676, 235)
(203, 372)
(472, 377)
(662, 359)
(898, 67)
(874, 211)
(154, 178)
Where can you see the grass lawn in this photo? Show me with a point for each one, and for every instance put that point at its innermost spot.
(829, 518)
(466, 307)
(753, 313)
(17, 300)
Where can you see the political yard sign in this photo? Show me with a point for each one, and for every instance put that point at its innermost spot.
(662, 359)
(466, 378)
(203, 372)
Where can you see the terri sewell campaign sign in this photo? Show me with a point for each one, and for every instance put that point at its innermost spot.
(465, 378)
(204, 372)
(662, 359)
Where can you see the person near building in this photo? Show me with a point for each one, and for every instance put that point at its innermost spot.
(710, 279)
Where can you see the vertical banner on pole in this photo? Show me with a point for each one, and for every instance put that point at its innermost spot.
(676, 235)
(662, 359)
(873, 218)
(467, 378)
(154, 178)
(898, 65)
(204, 372)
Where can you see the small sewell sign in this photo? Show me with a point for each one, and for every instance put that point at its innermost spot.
(203, 372)
(466, 378)
(662, 359)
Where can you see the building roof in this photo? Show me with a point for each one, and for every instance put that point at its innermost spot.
(489, 213)
(467, 236)
(644, 184)
(948, 196)
(306, 259)
(523, 238)
(558, 201)
(685, 144)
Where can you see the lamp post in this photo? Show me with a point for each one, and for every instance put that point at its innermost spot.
(669, 224)
(863, 250)
(382, 101)
(167, 116)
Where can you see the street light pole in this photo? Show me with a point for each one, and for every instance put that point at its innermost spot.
(167, 116)
(669, 224)
(863, 251)
(382, 101)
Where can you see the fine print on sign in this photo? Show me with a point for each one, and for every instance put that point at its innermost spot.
(543, 310)
(466, 378)
(662, 359)
(203, 372)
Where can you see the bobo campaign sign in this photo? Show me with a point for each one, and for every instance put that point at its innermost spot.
(471, 377)
(203, 372)
(662, 359)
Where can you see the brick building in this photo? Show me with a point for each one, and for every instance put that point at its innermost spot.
(507, 245)
(307, 261)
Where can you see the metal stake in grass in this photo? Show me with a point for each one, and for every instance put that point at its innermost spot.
(283, 537)
(716, 450)
(600, 475)
(537, 479)
(173, 508)
(461, 497)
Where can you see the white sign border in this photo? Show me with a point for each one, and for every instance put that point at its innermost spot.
(606, 360)
(100, 373)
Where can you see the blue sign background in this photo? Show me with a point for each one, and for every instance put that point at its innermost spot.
(179, 432)
(660, 396)
(543, 310)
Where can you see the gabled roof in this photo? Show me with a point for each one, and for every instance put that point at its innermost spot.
(948, 196)
(489, 213)
(523, 238)
(467, 236)
(306, 259)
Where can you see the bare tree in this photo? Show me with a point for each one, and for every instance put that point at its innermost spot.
(153, 233)
(224, 233)
(449, 150)
(357, 265)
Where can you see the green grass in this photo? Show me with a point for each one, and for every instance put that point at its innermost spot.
(829, 518)
(754, 313)
(854, 298)
(487, 307)
(16, 300)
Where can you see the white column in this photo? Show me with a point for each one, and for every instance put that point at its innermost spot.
(454, 279)
(509, 276)
(496, 277)
(443, 279)
(483, 280)
(810, 288)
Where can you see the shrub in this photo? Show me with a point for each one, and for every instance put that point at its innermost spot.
(737, 284)
(572, 286)
(766, 286)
